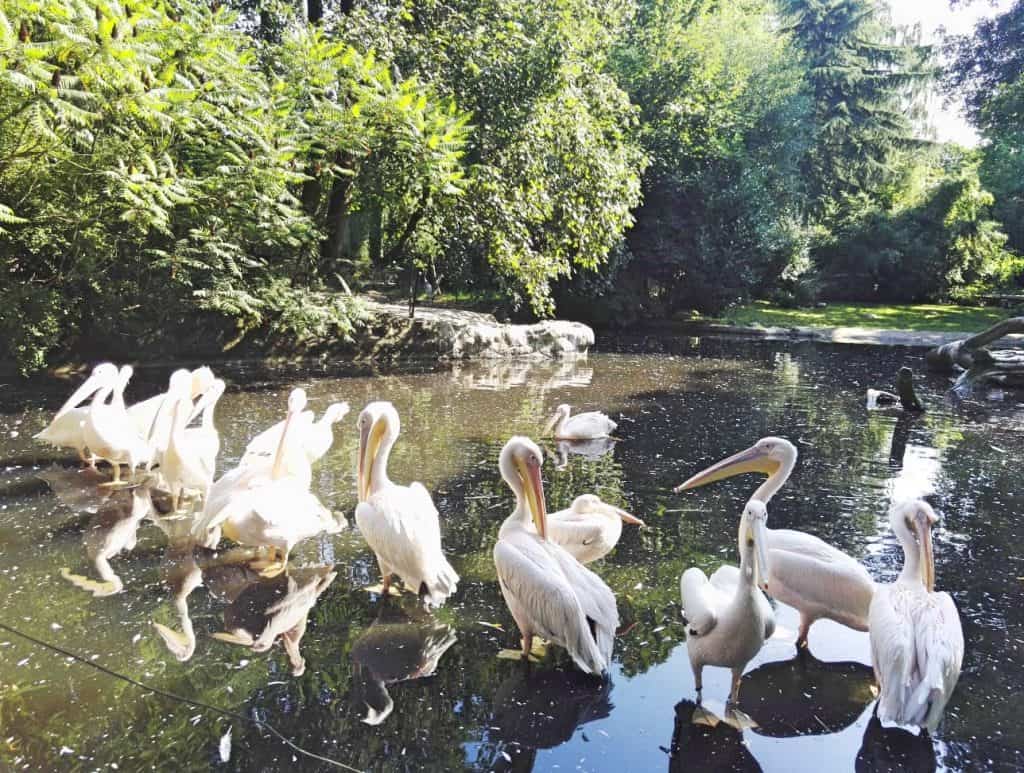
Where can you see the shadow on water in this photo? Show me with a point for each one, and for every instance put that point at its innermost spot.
(430, 684)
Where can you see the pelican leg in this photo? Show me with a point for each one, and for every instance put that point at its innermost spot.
(527, 645)
(805, 627)
(734, 696)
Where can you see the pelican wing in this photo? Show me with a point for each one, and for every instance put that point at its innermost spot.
(701, 601)
(535, 588)
(892, 650)
(591, 424)
(265, 444)
(727, 578)
(595, 598)
(819, 576)
(573, 530)
(939, 644)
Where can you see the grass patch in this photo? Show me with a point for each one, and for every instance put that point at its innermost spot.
(918, 317)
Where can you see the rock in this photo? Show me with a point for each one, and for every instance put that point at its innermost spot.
(452, 334)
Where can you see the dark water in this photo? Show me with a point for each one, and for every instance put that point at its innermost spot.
(440, 697)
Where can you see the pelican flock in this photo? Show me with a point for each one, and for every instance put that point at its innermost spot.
(265, 504)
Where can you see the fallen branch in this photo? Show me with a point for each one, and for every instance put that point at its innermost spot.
(979, 363)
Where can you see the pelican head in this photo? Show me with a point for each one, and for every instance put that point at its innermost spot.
(520, 462)
(379, 426)
(769, 455)
(912, 521)
(202, 380)
(561, 414)
(103, 374)
(335, 412)
(753, 539)
(591, 503)
(212, 394)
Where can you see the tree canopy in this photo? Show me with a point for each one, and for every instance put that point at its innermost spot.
(171, 168)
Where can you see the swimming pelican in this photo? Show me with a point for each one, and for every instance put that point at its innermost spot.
(146, 413)
(399, 523)
(268, 505)
(801, 570)
(917, 644)
(549, 593)
(582, 426)
(189, 462)
(67, 427)
(110, 433)
(589, 528)
(317, 440)
(727, 627)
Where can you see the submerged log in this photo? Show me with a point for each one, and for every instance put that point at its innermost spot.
(979, 363)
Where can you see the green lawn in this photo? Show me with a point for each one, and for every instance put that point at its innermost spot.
(911, 317)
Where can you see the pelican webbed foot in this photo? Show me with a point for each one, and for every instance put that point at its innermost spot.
(737, 719)
(381, 590)
(95, 587)
(179, 644)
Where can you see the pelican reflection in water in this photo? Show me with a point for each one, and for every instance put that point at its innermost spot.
(591, 450)
(276, 608)
(540, 709)
(401, 645)
(111, 531)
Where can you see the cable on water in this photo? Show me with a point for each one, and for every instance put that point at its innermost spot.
(179, 698)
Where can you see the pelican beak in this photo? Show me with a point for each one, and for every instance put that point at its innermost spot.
(549, 427)
(924, 537)
(369, 442)
(535, 497)
(278, 468)
(626, 517)
(751, 460)
(90, 385)
(760, 535)
(202, 380)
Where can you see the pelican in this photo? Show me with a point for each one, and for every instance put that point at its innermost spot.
(146, 413)
(67, 427)
(810, 575)
(191, 455)
(589, 528)
(727, 626)
(917, 644)
(549, 593)
(110, 433)
(399, 523)
(318, 439)
(273, 507)
(582, 426)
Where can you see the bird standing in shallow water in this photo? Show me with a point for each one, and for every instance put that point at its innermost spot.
(400, 523)
(801, 570)
(727, 626)
(917, 643)
(549, 593)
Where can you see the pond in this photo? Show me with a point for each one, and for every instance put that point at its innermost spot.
(385, 685)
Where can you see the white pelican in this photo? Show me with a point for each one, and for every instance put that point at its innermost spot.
(268, 505)
(110, 433)
(917, 644)
(582, 426)
(189, 462)
(589, 528)
(67, 427)
(549, 593)
(801, 570)
(399, 523)
(727, 626)
(317, 440)
(146, 413)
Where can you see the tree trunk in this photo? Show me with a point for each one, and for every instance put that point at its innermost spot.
(1003, 366)
(337, 218)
